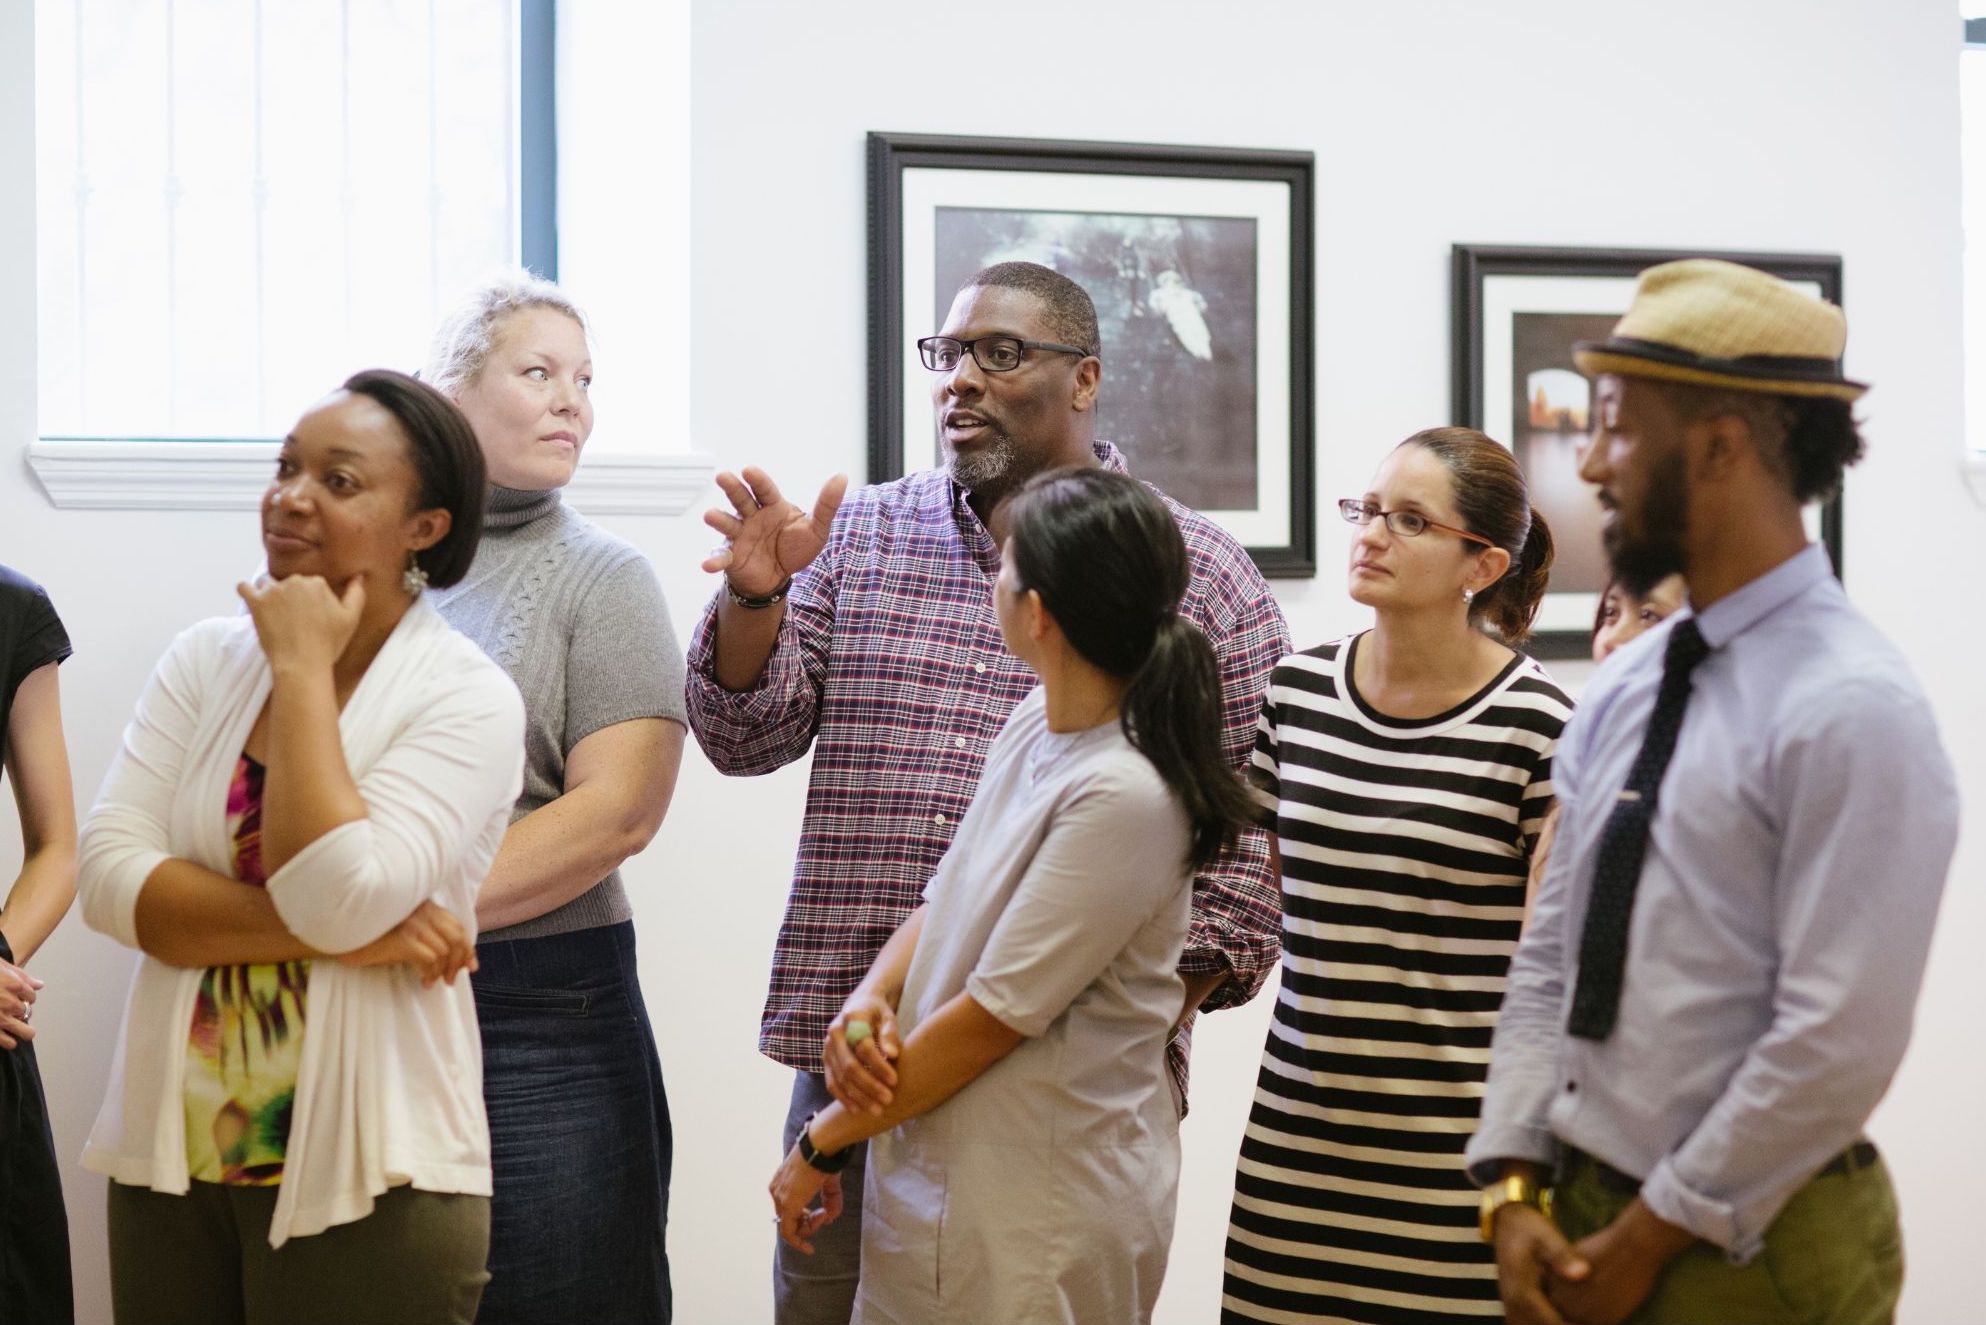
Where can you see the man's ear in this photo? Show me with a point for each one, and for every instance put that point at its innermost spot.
(1089, 376)
(1721, 445)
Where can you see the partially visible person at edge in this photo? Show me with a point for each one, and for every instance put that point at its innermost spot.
(1012, 1032)
(1725, 954)
(293, 833)
(579, 1122)
(868, 632)
(1623, 616)
(34, 1227)
(1407, 773)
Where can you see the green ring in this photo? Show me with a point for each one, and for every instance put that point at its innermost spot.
(858, 1031)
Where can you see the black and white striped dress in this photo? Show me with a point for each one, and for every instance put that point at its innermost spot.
(1405, 849)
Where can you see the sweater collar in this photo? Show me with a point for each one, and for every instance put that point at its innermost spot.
(510, 507)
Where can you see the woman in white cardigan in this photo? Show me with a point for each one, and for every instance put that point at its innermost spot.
(294, 833)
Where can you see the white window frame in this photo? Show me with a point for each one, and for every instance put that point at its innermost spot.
(186, 474)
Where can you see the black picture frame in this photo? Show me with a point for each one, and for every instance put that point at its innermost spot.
(1474, 269)
(1280, 531)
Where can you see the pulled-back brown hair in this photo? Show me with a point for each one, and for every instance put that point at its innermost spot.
(1494, 503)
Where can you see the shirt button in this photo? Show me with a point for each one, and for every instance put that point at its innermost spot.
(1571, 1087)
(959, 741)
(938, 819)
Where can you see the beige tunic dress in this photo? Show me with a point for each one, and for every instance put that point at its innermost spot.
(1043, 1191)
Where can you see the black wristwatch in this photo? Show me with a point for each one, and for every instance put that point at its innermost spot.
(817, 1161)
(766, 600)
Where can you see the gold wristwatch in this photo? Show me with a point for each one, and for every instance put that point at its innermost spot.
(1519, 1187)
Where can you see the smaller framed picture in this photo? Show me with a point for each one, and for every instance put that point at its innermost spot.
(1199, 262)
(1517, 314)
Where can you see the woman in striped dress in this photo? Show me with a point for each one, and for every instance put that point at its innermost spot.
(1406, 772)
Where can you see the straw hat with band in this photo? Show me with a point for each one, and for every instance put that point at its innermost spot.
(1711, 323)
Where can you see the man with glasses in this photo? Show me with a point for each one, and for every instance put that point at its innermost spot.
(1756, 818)
(865, 629)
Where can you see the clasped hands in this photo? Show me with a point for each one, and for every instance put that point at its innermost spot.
(861, 1075)
(1599, 1280)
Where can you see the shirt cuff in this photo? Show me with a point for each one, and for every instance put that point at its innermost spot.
(1712, 1220)
(121, 916)
(308, 895)
(1211, 949)
(1495, 1143)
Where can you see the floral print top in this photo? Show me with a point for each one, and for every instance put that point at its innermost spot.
(247, 1036)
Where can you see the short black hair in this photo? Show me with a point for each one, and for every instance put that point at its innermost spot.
(1812, 439)
(1071, 312)
(448, 465)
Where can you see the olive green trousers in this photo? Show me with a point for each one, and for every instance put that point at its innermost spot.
(1834, 1255)
(204, 1259)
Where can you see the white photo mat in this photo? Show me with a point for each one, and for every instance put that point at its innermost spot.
(1266, 203)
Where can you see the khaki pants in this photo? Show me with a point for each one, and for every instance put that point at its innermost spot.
(1834, 1255)
(204, 1259)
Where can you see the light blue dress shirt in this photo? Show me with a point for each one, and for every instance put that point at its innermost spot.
(1780, 929)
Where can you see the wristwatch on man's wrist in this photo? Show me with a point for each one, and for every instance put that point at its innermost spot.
(1521, 1188)
(821, 1162)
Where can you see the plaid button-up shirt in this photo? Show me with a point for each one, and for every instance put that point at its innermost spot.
(890, 663)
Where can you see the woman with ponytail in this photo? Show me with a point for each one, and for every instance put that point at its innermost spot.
(1007, 1049)
(1406, 774)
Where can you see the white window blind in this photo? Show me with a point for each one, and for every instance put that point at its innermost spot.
(241, 202)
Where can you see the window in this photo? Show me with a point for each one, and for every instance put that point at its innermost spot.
(241, 201)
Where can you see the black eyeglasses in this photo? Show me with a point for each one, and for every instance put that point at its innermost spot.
(995, 354)
(1407, 524)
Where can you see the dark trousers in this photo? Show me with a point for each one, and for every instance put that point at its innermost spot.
(34, 1228)
(579, 1133)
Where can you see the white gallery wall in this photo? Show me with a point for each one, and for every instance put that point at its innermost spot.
(1826, 125)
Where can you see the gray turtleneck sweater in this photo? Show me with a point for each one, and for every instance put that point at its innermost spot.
(575, 616)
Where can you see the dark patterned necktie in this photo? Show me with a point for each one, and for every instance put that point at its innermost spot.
(1596, 1000)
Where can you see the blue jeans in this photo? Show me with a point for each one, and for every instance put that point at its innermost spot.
(579, 1133)
(34, 1231)
(820, 1289)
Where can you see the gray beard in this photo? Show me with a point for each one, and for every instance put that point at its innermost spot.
(986, 468)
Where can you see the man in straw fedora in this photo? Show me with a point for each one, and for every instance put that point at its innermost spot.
(1756, 822)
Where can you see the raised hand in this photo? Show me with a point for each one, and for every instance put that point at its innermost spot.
(768, 538)
(301, 621)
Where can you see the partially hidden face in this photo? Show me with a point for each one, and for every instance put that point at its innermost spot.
(530, 404)
(1432, 567)
(1636, 458)
(1625, 615)
(1001, 429)
(343, 501)
(1008, 605)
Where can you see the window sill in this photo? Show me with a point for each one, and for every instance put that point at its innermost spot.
(121, 474)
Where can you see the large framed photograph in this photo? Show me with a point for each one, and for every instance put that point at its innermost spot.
(1199, 260)
(1517, 314)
